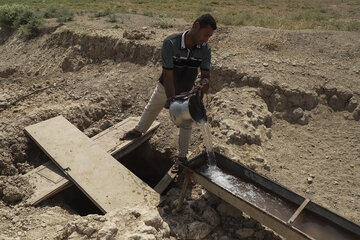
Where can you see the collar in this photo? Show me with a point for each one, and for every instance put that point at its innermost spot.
(183, 40)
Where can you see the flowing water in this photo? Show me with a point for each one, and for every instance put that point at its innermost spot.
(208, 143)
(249, 192)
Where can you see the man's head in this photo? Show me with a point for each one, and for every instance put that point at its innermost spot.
(203, 28)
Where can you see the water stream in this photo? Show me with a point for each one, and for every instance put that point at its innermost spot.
(208, 143)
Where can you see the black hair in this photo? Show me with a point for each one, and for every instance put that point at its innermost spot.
(206, 20)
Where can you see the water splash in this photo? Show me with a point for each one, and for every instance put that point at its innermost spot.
(208, 143)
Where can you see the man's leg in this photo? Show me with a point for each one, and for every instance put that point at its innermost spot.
(152, 109)
(184, 140)
(184, 143)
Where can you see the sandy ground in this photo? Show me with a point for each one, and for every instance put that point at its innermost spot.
(284, 103)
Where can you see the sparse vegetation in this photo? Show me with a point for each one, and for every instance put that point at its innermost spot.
(19, 17)
(62, 14)
(279, 14)
(103, 13)
(112, 18)
(163, 24)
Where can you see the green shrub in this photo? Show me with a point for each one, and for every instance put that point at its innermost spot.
(20, 17)
(163, 24)
(12, 15)
(32, 28)
(149, 14)
(51, 12)
(63, 14)
(104, 13)
(112, 18)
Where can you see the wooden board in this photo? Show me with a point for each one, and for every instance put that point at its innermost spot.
(167, 179)
(47, 180)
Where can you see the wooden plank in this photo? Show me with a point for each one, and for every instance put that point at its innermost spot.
(298, 211)
(165, 182)
(167, 179)
(68, 138)
(46, 180)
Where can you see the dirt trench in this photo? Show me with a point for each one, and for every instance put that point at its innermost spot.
(243, 108)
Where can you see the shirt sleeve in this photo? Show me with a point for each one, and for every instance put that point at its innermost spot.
(206, 61)
(167, 55)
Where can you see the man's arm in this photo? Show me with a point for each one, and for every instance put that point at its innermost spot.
(169, 83)
(205, 80)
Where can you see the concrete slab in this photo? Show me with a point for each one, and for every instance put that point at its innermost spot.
(101, 177)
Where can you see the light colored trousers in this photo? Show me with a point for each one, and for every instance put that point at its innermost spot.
(152, 110)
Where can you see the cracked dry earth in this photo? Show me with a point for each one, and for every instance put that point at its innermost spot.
(284, 103)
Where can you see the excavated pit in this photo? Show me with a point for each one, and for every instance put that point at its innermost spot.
(274, 103)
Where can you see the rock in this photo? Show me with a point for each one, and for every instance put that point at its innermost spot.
(260, 235)
(75, 236)
(297, 113)
(153, 220)
(304, 119)
(7, 72)
(12, 194)
(225, 209)
(352, 104)
(211, 216)
(250, 223)
(67, 65)
(258, 159)
(244, 233)
(212, 199)
(198, 230)
(253, 166)
(266, 166)
(265, 64)
(108, 231)
(309, 180)
(356, 114)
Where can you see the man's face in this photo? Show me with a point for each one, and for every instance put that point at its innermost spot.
(202, 34)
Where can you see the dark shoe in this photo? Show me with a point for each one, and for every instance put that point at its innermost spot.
(177, 168)
(132, 134)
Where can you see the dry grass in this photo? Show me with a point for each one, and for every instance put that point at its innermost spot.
(279, 14)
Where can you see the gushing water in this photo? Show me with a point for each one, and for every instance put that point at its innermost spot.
(208, 143)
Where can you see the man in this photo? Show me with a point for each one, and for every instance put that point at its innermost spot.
(181, 54)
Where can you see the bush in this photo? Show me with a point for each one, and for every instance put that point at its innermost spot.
(19, 17)
(104, 13)
(163, 24)
(32, 28)
(112, 18)
(63, 14)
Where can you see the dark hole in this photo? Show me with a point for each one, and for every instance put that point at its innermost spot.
(73, 200)
(147, 163)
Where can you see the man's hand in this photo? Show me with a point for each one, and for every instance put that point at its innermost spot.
(204, 85)
(168, 102)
